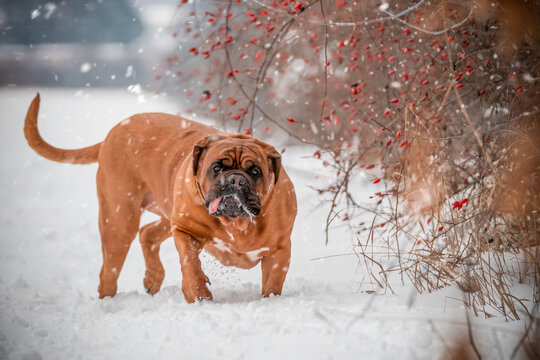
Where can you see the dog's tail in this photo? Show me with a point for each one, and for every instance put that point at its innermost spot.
(85, 155)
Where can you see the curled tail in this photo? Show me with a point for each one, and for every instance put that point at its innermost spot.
(85, 155)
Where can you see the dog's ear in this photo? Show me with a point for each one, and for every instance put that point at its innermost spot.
(274, 158)
(199, 148)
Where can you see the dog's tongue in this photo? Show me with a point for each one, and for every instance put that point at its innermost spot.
(214, 205)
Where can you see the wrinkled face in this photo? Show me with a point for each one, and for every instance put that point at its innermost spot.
(235, 175)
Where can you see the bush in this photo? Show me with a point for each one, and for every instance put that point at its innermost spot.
(434, 100)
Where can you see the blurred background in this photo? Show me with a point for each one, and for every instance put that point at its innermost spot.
(83, 43)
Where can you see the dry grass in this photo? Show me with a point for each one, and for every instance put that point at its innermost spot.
(462, 204)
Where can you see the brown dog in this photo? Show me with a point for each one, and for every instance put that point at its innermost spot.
(226, 193)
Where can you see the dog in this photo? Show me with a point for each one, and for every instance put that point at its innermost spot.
(225, 193)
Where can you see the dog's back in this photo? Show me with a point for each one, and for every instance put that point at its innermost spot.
(149, 148)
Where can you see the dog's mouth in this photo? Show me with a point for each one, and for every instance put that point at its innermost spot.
(232, 206)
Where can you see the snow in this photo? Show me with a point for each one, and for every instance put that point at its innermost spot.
(255, 254)
(86, 67)
(51, 256)
(220, 245)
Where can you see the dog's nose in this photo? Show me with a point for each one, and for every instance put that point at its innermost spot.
(237, 181)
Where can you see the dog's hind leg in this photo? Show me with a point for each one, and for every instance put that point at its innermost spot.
(119, 216)
(151, 236)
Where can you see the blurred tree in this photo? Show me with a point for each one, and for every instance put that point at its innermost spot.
(91, 21)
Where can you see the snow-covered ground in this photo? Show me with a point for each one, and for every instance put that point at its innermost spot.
(51, 254)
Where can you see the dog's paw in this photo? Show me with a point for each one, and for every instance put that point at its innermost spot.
(196, 290)
(153, 280)
(106, 290)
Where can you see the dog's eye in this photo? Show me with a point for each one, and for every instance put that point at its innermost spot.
(255, 171)
(217, 168)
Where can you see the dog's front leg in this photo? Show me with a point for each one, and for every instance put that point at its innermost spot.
(274, 270)
(193, 278)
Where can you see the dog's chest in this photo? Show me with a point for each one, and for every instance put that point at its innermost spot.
(241, 252)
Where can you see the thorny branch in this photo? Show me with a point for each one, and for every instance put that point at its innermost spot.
(444, 118)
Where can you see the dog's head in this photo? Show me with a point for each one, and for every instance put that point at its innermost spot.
(236, 173)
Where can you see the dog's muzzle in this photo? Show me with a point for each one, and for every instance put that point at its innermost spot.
(233, 194)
